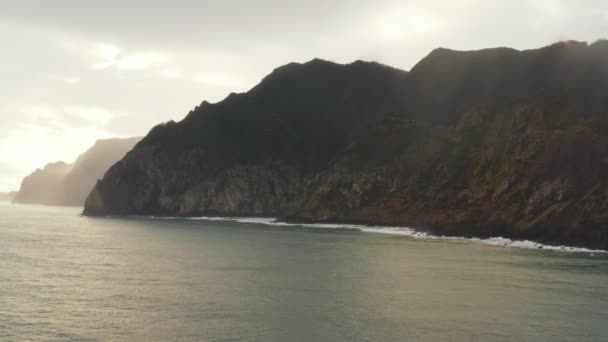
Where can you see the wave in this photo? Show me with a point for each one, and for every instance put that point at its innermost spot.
(404, 231)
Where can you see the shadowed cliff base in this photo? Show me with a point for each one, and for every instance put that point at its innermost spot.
(480, 143)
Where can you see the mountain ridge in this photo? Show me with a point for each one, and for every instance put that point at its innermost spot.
(481, 143)
(64, 184)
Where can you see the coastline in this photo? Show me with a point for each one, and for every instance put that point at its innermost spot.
(401, 230)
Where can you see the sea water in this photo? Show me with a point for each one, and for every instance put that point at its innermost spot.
(65, 277)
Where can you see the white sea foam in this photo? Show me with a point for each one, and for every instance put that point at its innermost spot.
(405, 231)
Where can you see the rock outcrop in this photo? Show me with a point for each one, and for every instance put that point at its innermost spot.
(69, 184)
(477, 143)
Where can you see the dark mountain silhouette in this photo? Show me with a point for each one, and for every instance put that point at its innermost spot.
(477, 143)
(69, 184)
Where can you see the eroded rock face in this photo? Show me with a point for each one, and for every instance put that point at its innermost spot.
(483, 143)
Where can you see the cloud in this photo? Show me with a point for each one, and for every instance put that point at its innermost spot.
(108, 54)
(70, 80)
(171, 71)
(402, 22)
(75, 71)
(217, 79)
(113, 57)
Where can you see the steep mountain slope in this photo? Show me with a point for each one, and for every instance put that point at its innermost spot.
(484, 143)
(252, 153)
(43, 186)
(69, 184)
(520, 152)
(91, 165)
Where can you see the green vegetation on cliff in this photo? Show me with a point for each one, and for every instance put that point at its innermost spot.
(480, 143)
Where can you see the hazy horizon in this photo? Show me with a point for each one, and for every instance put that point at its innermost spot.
(75, 73)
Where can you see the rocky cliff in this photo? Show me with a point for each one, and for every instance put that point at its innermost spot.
(69, 184)
(479, 143)
(43, 186)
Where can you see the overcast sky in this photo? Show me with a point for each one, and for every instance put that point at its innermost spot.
(76, 71)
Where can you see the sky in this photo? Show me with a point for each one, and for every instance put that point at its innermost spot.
(74, 71)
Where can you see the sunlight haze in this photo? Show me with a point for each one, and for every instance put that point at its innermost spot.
(76, 72)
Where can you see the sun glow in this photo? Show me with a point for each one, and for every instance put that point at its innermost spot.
(113, 56)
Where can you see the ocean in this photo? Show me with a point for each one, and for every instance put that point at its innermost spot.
(65, 277)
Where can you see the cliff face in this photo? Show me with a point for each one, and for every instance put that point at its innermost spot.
(69, 184)
(90, 166)
(43, 186)
(480, 143)
(253, 153)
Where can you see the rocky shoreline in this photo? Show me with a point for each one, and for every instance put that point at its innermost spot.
(495, 142)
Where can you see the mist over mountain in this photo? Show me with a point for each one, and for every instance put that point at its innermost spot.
(495, 142)
(68, 184)
(43, 186)
(7, 196)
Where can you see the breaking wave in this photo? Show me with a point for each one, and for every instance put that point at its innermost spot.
(404, 231)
